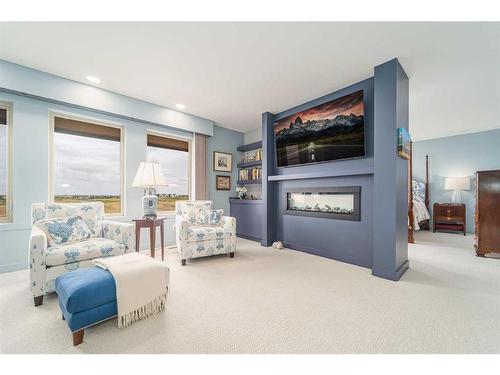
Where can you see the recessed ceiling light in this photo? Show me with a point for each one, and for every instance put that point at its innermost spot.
(180, 106)
(93, 79)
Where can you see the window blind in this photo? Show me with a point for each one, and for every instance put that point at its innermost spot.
(168, 143)
(86, 129)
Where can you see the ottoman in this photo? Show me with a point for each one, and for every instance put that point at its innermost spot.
(86, 297)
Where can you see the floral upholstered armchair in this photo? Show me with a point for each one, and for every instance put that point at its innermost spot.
(65, 237)
(202, 231)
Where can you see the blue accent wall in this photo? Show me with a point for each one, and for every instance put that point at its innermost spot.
(456, 156)
(379, 239)
(349, 241)
(390, 204)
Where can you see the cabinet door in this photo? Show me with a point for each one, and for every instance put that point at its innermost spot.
(488, 209)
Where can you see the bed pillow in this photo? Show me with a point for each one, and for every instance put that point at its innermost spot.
(210, 217)
(418, 190)
(64, 230)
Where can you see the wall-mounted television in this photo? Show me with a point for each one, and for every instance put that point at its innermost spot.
(330, 131)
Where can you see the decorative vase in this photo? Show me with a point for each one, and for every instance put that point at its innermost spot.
(242, 195)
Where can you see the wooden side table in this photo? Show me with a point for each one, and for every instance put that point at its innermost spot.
(151, 224)
(449, 217)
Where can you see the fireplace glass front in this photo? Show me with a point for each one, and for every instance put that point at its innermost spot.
(334, 203)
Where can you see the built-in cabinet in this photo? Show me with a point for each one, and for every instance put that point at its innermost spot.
(248, 214)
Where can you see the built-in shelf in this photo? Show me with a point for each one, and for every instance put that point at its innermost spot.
(322, 174)
(250, 147)
(244, 201)
(249, 164)
(249, 182)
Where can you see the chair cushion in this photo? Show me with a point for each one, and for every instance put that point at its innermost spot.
(210, 217)
(64, 230)
(207, 233)
(92, 213)
(191, 210)
(84, 250)
(85, 289)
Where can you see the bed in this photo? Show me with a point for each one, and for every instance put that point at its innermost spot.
(418, 200)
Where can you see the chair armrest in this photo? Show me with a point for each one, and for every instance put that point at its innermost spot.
(229, 223)
(123, 233)
(37, 251)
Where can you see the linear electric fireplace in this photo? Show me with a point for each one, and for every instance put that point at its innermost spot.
(341, 203)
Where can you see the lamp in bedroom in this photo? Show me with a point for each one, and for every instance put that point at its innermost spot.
(149, 176)
(457, 184)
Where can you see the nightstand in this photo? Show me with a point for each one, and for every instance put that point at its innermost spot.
(449, 217)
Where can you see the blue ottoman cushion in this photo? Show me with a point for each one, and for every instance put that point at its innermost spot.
(85, 288)
(86, 297)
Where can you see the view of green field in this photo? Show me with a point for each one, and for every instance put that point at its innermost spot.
(168, 203)
(112, 204)
(3, 206)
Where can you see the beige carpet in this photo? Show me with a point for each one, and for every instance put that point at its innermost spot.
(272, 301)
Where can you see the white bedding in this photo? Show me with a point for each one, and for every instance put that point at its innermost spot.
(420, 213)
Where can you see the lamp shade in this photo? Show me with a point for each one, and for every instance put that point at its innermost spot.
(457, 183)
(149, 175)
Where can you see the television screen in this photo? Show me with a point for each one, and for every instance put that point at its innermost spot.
(330, 131)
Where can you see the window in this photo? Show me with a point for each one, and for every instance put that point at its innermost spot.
(5, 170)
(87, 163)
(173, 156)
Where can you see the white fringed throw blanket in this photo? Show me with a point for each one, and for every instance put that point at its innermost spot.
(141, 285)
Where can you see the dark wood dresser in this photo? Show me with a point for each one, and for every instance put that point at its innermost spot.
(449, 217)
(487, 212)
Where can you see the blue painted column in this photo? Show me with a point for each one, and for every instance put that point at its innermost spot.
(269, 189)
(390, 229)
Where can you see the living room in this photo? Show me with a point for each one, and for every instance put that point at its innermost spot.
(183, 200)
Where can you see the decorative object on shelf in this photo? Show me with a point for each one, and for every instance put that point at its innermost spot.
(404, 141)
(329, 131)
(242, 192)
(222, 182)
(149, 176)
(223, 162)
(457, 184)
(278, 245)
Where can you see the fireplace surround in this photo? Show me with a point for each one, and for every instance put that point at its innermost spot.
(341, 203)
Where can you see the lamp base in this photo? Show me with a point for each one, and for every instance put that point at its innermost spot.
(456, 197)
(149, 203)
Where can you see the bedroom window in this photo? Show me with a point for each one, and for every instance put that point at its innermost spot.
(87, 163)
(5, 162)
(173, 154)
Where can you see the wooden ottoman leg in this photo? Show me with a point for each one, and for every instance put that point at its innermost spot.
(78, 337)
(183, 261)
(231, 255)
(38, 300)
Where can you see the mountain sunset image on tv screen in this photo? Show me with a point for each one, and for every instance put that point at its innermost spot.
(330, 131)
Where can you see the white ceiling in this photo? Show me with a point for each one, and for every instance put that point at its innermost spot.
(232, 72)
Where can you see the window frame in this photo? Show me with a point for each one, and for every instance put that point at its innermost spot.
(9, 205)
(189, 141)
(70, 116)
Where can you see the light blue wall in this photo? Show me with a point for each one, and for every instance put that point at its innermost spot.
(457, 156)
(252, 136)
(224, 140)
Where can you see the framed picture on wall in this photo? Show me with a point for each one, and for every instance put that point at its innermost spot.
(222, 182)
(223, 162)
(403, 143)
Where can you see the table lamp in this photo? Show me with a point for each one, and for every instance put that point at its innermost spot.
(149, 176)
(457, 184)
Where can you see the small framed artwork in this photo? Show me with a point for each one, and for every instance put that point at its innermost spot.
(222, 182)
(403, 143)
(223, 162)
